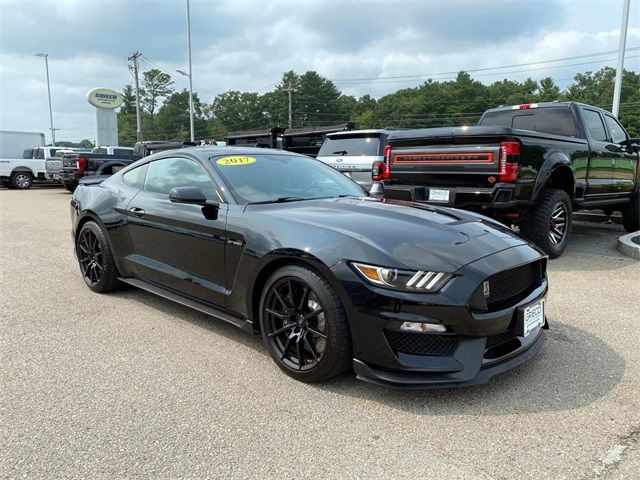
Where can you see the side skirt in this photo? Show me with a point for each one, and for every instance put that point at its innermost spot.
(243, 324)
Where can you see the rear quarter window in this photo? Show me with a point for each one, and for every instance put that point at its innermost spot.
(350, 146)
(552, 120)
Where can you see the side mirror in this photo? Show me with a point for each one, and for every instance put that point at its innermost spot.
(191, 195)
(614, 148)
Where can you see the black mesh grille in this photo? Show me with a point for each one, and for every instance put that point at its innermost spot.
(500, 338)
(422, 343)
(510, 286)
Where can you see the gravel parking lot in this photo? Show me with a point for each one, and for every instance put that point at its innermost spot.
(131, 385)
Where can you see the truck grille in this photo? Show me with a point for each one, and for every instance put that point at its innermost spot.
(510, 286)
(417, 343)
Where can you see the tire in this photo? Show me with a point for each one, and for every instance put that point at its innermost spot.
(95, 259)
(288, 321)
(631, 214)
(70, 186)
(21, 180)
(543, 227)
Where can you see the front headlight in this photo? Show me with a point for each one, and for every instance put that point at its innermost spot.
(408, 280)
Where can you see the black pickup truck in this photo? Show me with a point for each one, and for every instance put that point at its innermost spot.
(529, 165)
(76, 167)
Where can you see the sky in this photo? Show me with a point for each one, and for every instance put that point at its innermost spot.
(247, 45)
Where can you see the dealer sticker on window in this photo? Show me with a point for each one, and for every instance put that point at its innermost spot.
(232, 161)
(533, 317)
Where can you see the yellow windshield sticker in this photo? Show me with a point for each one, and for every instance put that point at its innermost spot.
(235, 161)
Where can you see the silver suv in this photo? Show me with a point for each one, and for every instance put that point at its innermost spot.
(353, 153)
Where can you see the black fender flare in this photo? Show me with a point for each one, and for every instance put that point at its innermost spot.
(552, 163)
(110, 164)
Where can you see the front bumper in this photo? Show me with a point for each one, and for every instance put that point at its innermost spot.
(498, 196)
(476, 345)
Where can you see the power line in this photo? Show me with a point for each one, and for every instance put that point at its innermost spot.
(575, 57)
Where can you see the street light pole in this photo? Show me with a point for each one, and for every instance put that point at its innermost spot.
(190, 74)
(617, 90)
(46, 63)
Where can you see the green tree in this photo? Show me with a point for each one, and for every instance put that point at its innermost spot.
(156, 85)
(127, 125)
(173, 118)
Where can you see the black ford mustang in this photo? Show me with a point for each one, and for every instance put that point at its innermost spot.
(408, 294)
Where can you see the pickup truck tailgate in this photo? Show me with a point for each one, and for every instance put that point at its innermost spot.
(446, 164)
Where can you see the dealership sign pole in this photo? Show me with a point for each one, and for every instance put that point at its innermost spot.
(623, 40)
(106, 101)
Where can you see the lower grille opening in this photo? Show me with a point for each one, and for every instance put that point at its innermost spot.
(416, 343)
(501, 344)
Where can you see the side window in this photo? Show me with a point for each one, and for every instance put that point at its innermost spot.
(134, 177)
(168, 173)
(616, 131)
(593, 123)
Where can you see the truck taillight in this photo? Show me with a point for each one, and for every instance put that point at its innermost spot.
(508, 161)
(379, 171)
(524, 106)
(382, 170)
(81, 164)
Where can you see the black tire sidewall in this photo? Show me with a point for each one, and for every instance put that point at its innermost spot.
(15, 175)
(631, 214)
(109, 279)
(333, 361)
(536, 228)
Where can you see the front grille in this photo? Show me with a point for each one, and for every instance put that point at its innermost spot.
(510, 286)
(417, 343)
(500, 339)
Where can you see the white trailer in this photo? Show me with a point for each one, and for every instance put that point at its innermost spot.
(13, 144)
(19, 164)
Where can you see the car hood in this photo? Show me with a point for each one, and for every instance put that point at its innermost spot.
(418, 236)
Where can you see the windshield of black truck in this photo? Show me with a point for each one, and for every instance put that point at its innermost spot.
(553, 120)
(351, 146)
(266, 178)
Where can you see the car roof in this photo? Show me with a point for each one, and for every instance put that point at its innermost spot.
(207, 151)
(556, 103)
(357, 132)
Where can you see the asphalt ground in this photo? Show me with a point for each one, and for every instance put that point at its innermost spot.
(129, 385)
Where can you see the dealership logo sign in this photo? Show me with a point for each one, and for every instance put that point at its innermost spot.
(104, 98)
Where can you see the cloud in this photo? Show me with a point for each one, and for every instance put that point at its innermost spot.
(247, 45)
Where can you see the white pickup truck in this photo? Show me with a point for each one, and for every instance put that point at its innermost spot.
(21, 172)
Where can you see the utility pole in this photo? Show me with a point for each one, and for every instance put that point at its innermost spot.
(190, 75)
(134, 68)
(623, 41)
(46, 64)
(290, 90)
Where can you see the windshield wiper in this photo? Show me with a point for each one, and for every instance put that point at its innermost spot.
(279, 200)
(339, 152)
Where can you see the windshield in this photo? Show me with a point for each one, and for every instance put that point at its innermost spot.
(351, 146)
(273, 177)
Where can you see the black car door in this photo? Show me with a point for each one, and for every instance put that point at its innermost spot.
(601, 160)
(175, 245)
(624, 174)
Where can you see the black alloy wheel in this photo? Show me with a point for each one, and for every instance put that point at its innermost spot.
(304, 325)
(297, 328)
(90, 257)
(97, 265)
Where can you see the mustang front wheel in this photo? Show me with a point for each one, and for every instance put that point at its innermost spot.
(304, 325)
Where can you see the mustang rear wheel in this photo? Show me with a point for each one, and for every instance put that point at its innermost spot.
(96, 262)
(304, 325)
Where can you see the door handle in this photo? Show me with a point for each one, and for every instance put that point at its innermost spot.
(137, 212)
